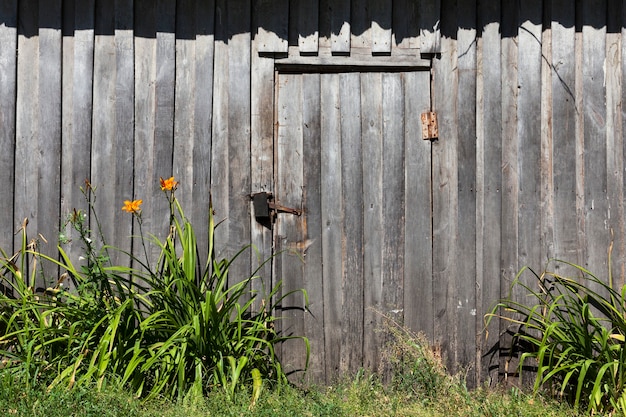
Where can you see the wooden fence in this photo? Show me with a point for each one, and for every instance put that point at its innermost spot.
(528, 164)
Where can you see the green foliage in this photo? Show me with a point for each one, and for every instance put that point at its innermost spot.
(182, 328)
(574, 329)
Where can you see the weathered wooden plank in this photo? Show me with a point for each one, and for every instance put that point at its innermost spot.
(289, 233)
(393, 202)
(144, 109)
(330, 134)
(361, 25)
(615, 146)
(340, 31)
(429, 24)
(418, 283)
(310, 246)
(465, 284)
(185, 102)
(238, 18)
(27, 155)
(307, 25)
(124, 119)
(445, 199)
(529, 135)
(219, 144)
(597, 234)
(529, 139)
(405, 24)
(546, 146)
(510, 169)
(380, 10)
(203, 112)
(372, 133)
(8, 63)
(262, 158)
(352, 225)
(77, 110)
(112, 146)
(273, 21)
(489, 186)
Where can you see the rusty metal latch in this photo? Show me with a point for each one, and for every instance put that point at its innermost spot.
(265, 209)
(430, 130)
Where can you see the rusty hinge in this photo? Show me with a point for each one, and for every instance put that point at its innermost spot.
(266, 209)
(430, 130)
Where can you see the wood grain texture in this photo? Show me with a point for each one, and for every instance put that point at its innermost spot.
(310, 246)
(489, 187)
(372, 133)
(8, 110)
(465, 282)
(596, 202)
(289, 233)
(352, 225)
(330, 134)
(418, 250)
(238, 88)
(445, 197)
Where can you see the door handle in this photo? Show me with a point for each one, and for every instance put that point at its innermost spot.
(266, 209)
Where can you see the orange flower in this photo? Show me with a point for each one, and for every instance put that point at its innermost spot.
(132, 206)
(168, 184)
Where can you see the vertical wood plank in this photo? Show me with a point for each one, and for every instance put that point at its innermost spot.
(429, 25)
(77, 109)
(418, 283)
(597, 234)
(27, 155)
(239, 22)
(510, 168)
(192, 117)
(564, 112)
(145, 109)
(185, 102)
(289, 233)
(529, 138)
(219, 144)
(445, 199)
(361, 24)
(465, 282)
(340, 31)
(203, 113)
(393, 199)
(124, 119)
(49, 172)
(8, 85)
(381, 25)
(614, 141)
(262, 157)
(405, 24)
(310, 246)
(307, 25)
(489, 186)
(112, 144)
(372, 133)
(529, 134)
(352, 225)
(331, 221)
(273, 21)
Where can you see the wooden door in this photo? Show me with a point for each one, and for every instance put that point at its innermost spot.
(349, 155)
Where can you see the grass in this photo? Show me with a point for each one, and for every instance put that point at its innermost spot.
(419, 386)
(358, 396)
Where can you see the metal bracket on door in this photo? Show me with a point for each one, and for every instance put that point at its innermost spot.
(265, 209)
